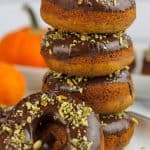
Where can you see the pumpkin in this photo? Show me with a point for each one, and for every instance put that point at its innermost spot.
(12, 85)
(23, 46)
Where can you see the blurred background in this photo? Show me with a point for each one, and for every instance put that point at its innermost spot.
(15, 18)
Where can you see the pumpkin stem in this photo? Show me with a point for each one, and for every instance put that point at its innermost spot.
(34, 22)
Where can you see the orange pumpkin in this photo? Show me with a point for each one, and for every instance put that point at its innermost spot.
(12, 85)
(23, 46)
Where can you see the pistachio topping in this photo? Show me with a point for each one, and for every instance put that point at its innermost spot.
(122, 38)
(29, 119)
(72, 82)
(120, 115)
(81, 143)
(4, 127)
(3, 107)
(103, 125)
(107, 2)
(113, 77)
(74, 114)
(37, 145)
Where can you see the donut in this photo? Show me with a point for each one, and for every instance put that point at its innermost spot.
(51, 121)
(108, 94)
(118, 130)
(86, 55)
(89, 16)
(146, 63)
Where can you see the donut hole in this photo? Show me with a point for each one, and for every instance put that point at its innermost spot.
(51, 132)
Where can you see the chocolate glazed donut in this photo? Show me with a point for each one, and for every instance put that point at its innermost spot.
(50, 121)
(89, 16)
(108, 94)
(87, 55)
(118, 130)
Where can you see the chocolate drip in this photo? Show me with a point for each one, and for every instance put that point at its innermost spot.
(96, 5)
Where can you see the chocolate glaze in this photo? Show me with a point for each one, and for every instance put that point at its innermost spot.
(44, 116)
(60, 84)
(68, 45)
(96, 5)
(115, 125)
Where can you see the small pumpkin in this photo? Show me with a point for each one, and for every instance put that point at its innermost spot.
(23, 46)
(13, 85)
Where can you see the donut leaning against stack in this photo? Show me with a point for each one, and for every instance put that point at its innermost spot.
(88, 52)
(43, 121)
(87, 55)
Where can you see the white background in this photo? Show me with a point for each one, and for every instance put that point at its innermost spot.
(12, 17)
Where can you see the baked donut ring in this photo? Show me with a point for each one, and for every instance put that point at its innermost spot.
(109, 94)
(51, 121)
(89, 16)
(87, 55)
(118, 130)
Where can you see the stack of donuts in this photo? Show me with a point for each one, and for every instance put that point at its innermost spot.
(88, 53)
(88, 85)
